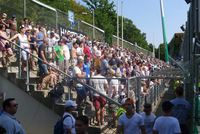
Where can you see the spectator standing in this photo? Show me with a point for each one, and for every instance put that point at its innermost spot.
(67, 56)
(81, 92)
(69, 120)
(4, 46)
(148, 118)
(42, 63)
(100, 84)
(130, 122)
(59, 55)
(40, 36)
(82, 123)
(181, 109)
(74, 53)
(34, 50)
(166, 124)
(8, 120)
(13, 25)
(3, 20)
(24, 43)
(52, 42)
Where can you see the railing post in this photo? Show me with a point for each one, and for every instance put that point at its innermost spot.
(27, 72)
(154, 94)
(138, 91)
(128, 85)
(20, 62)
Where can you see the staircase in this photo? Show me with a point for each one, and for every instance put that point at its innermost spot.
(11, 80)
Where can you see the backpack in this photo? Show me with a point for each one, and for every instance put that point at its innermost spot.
(58, 128)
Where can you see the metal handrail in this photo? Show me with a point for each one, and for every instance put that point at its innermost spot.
(65, 74)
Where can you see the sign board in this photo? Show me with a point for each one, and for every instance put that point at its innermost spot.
(71, 16)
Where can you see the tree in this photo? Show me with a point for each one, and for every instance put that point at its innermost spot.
(161, 51)
(104, 15)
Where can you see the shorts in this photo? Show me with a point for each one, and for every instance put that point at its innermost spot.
(99, 102)
(25, 55)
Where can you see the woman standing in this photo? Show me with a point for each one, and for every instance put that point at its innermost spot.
(4, 45)
(24, 44)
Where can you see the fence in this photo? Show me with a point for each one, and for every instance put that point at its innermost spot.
(51, 17)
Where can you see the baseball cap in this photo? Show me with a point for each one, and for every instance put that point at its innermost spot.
(70, 103)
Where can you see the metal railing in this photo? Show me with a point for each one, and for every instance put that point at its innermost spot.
(132, 86)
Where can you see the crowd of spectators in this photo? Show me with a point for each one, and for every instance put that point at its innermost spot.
(90, 61)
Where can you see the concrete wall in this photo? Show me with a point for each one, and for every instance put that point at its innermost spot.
(34, 116)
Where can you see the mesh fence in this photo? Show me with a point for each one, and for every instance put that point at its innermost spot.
(9, 7)
(87, 29)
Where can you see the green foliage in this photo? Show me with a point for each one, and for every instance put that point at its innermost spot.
(105, 18)
(161, 51)
(175, 44)
(104, 15)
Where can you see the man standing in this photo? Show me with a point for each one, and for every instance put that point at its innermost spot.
(42, 64)
(181, 109)
(100, 84)
(80, 89)
(166, 124)
(130, 122)
(148, 117)
(69, 120)
(8, 120)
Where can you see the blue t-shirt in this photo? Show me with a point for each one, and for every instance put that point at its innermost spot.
(86, 69)
(40, 36)
(181, 109)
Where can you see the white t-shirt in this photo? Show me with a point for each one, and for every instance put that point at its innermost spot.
(79, 51)
(132, 125)
(23, 41)
(148, 122)
(69, 123)
(167, 125)
(66, 52)
(98, 84)
(114, 83)
(76, 71)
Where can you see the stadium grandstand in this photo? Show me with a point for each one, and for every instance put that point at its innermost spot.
(53, 62)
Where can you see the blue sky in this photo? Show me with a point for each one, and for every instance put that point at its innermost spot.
(145, 14)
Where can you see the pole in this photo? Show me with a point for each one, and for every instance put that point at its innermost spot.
(24, 8)
(164, 31)
(122, 25)
(93, 33)
(159, 53)
(117, 24)
(27, 72)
